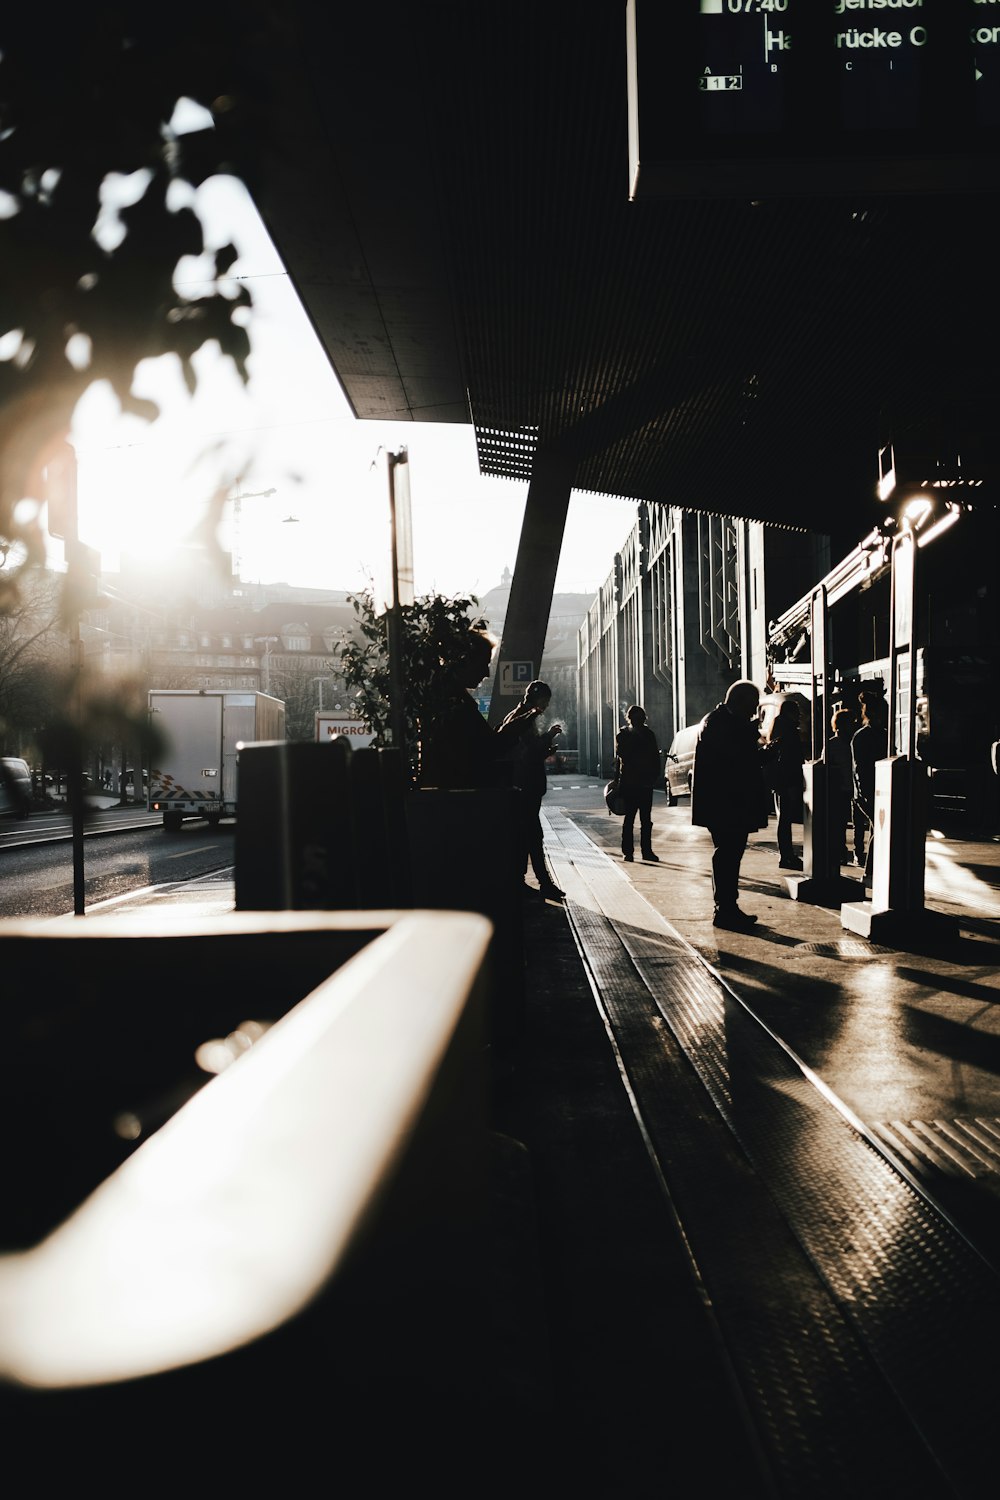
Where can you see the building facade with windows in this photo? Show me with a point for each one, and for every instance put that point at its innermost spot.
(682, 614)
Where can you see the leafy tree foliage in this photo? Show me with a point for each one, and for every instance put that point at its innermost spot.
(84, 94)
(87, 96)
(433, 630)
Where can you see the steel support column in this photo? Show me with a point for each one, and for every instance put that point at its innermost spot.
(534, 577)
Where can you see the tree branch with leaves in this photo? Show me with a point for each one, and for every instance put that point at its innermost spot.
(87, 98)
(433, 630)
(88, 102)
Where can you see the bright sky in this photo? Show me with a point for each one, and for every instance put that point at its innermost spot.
(142, 487)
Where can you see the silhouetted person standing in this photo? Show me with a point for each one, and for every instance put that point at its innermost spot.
(784, 744)
(637, 760)
(531, 746)
(840, 763)
(728, 795)
(457, 746)
(868, 746)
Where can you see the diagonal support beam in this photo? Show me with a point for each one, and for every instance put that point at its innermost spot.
(542, 531)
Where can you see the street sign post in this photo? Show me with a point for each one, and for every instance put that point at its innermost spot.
(515, 676)
(330, 725)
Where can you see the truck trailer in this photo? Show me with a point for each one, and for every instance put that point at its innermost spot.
(194, 773)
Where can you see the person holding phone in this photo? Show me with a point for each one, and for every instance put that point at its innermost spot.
(532, 746)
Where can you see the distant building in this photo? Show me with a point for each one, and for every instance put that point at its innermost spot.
(184, 624)
(187, 628)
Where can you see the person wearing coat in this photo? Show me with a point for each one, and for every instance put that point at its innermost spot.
(728, 795)
(458, 749)
(637, 767)
(531, 747)
(868, 747)
(785, 751)
(841, 785)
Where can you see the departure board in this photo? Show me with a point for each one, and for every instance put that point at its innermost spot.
(763, 97)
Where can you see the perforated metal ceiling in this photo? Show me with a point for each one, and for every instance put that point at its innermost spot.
(448, 185)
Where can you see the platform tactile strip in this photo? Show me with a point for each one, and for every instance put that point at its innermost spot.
(844, 948)
(893, 1286)
(969, 1148)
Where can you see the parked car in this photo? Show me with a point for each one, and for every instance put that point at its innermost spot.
(15, 786)
(680, 763)
(770, 707)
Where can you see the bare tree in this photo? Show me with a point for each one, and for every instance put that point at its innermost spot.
(34, 660)
(296, 684)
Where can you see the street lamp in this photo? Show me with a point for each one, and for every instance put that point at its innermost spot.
(321, 681)
(237, 521)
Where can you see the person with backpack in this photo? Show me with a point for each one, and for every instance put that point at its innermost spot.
(637, 766)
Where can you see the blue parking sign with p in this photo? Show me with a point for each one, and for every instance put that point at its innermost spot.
(515, 676)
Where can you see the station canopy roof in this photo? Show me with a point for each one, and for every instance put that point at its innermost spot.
(449, 187)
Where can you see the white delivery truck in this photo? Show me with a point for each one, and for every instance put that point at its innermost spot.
(193, 775)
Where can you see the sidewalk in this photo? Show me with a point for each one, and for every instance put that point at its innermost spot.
(103, 801)
(821, 1115)
(886, 1029)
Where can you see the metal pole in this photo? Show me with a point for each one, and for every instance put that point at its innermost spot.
(902, 739)
(74, 787)
(76, 771)
(902, 634)
(915, 811)
(820, 671)
(237, 551)
(397, 722)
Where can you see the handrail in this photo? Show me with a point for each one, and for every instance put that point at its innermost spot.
(236, 1213)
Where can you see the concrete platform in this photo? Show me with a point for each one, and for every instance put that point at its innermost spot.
(761, 1170)
(823, 989)
(822, 1114)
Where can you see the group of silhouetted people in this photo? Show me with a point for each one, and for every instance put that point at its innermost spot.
(459, 749)
(736, 776)
(739, 777)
